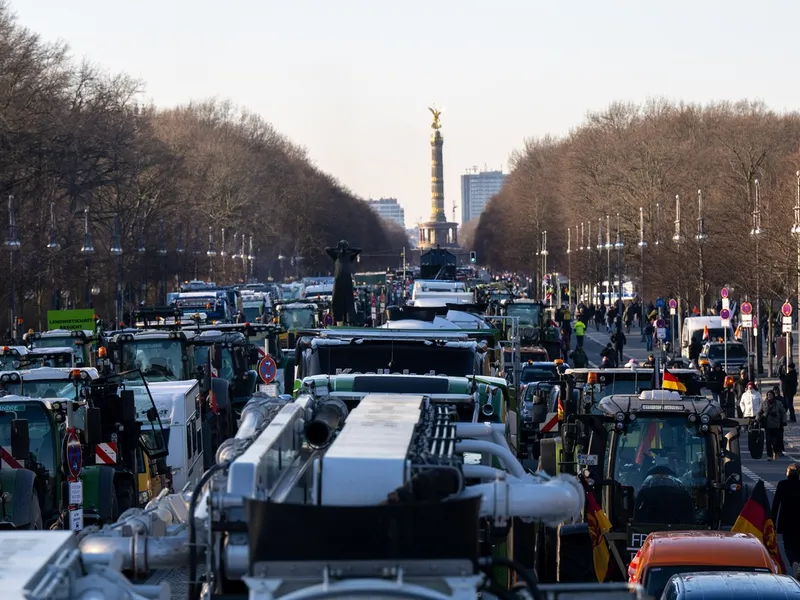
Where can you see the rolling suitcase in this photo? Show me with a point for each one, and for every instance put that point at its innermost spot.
(755, 441)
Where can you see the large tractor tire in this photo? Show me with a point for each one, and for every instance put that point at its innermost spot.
(548, 459)
(575, 559)
(125, 495)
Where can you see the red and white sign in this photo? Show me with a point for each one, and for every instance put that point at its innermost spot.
(105, 453)
(7, 461)
(550, 423)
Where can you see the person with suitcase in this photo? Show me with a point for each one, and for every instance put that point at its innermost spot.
(772, 416)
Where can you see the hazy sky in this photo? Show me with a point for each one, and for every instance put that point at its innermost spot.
(351, 80)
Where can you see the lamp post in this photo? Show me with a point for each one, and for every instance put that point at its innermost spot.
(544, 262)
(599, 258)
(116, 252)
(796, 232)
(196, 252)
(180, 249)
(701, 236)
(162, 253)
(642, 246)
(251, 259)
(679, 239)
(223, 254)
(142, 251)
(582, 249)
(619, 245)
(13, 244)
(87, 250)
(211, 253)
(569, 268)
(756, 232)
(589, 263)
(53, 247)
(608, 247)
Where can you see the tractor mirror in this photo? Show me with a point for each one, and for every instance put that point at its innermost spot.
(20, 439)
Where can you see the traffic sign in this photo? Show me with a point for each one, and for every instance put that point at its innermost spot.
(659, 303)
(74, 455)
(786, 309)
(747, 308)
(661, 324)
(725, 314)
(673, 303)
(747, 320)
(661, 333)
(267, 369)
(724, 292)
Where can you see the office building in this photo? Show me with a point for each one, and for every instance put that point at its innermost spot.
(388, 208)
(477, 188)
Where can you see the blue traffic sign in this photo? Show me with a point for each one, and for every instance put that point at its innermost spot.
(660, 303)
(74, 455)
(267, 369)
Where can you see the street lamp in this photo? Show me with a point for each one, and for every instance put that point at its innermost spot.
(53, 247)
(544, 263)
(796, 233)
(589, 262)
(756, 232)
(87, 250)
(223, 253)
(13, 244)
(599, 255)
(211, 253)
(569, 267)
(679, 239)
(142, 250)
(608, 247)
(162, 252)
(116, 252)
(251, 258)
(619, 245)
(642, 245)
(701, 236)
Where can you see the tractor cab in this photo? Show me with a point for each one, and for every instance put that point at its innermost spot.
(656, 461)
(44, 382)
(160, 355)
(235, 358)
(57, 358)
(296, 316)
(80, 340)
(12, 357)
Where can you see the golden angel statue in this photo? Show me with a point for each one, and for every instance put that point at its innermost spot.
(437, 124)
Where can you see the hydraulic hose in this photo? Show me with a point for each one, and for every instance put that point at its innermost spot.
(527, 576)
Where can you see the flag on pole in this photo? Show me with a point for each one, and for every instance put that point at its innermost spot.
(756, 518)
(598, 526)
(705, 333)
(671, 382)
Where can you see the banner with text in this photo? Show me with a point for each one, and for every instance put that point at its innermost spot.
(81, 318)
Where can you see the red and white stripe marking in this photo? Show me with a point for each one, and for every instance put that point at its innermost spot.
(550, 423)
(7, 461)
(105, 453)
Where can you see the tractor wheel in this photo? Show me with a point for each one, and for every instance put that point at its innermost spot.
(36, 513)
(125, 495)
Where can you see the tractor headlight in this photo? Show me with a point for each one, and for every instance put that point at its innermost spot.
(705, 419)
(620, 417)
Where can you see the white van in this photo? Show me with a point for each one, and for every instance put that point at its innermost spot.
(693, 328)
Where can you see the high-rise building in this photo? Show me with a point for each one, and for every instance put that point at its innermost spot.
(390, 209)
(477, 188)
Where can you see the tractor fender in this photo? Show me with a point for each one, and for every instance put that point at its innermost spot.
(98, 491)
(19, 483)
(221, 390)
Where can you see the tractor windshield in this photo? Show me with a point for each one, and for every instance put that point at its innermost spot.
(159, 360)
(226, 371)
(664, 460)
(40, 429)
(77, 343)
(41, 388)
(297, 318)
(528, 313)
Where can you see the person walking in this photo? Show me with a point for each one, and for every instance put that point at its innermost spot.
(649, 334)
(580, 331)
(789, 389)
(772, 417)
(739, 388)
(578, 357)
(785, 515)
(619, 340)
(750, 402)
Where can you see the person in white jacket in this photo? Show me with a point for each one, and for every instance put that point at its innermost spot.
(750, 401)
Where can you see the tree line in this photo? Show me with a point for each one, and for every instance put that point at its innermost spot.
(630, 158)
(161, 185)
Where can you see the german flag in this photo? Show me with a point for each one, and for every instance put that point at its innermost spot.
(671, 382)
(598, 526)
(755, 518)
(560, 409)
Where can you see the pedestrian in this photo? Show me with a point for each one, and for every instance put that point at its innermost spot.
(789, 389)
(608, 357)
(649, 334)
(739, 388)
(578, 357)
(785, 515)
(619, 340)
(715, 379)
(772, 417)
(750, 402)
(599, 317)
(580, 331)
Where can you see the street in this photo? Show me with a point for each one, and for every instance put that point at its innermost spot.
(752, 470)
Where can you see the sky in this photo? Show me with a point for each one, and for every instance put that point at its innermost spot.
(352, 80)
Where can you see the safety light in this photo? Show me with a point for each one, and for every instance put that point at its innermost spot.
(729, 381)
(75, 374)
(703, 361)
(591, 377)
(6, 348)
(102, 352)
(247, 324)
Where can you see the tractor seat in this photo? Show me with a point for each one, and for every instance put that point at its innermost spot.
(667, 504)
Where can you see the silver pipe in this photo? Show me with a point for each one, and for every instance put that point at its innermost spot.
(140, 554)
(504, 454)
(486, 472)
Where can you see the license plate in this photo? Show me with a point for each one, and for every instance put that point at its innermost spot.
(590, 460)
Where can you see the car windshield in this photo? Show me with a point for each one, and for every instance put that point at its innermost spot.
(656, 578)
(714, 334)
(735, 352)
(39, 430)
(539, 373)
(297, 318)
(159, 360)
(664, 460)
(225, 371)
(528, 313)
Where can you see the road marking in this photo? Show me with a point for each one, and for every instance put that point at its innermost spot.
(754, 478)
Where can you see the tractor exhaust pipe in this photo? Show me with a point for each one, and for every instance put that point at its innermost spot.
(328, 419)
(487, 409)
